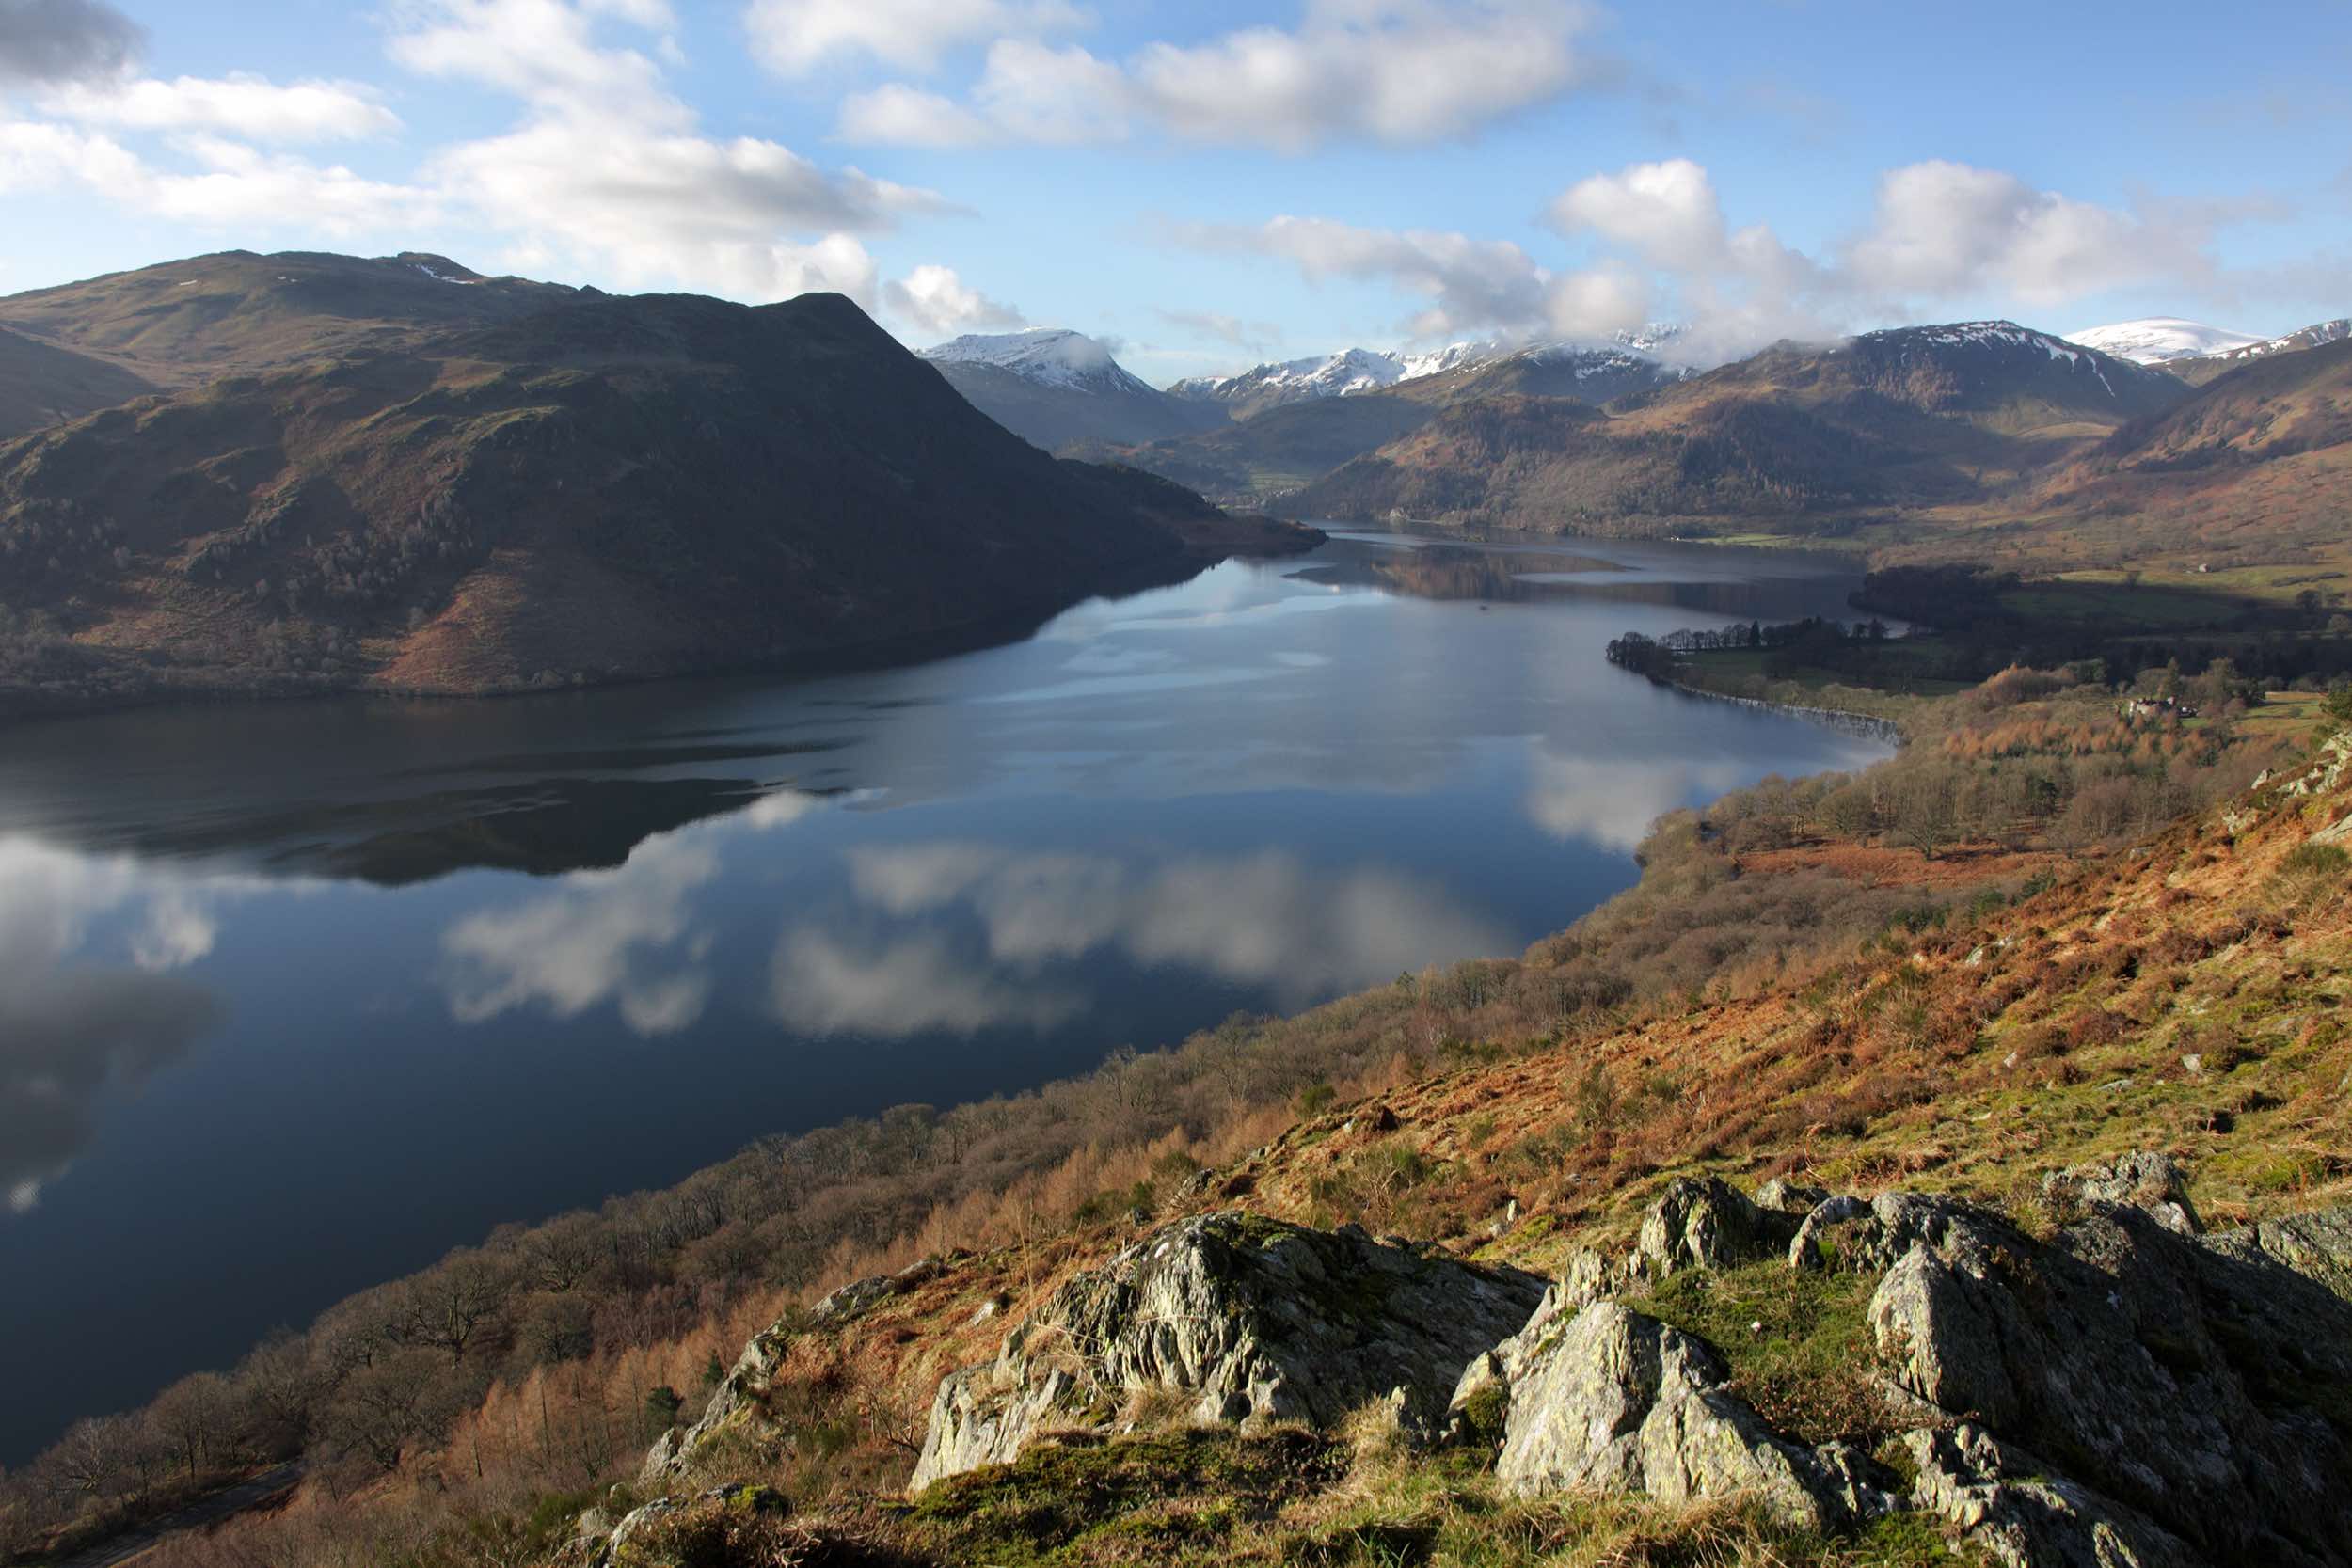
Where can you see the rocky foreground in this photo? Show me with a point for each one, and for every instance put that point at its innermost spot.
(2111, 1386)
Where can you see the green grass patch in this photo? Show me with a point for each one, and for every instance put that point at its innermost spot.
(1797, 1343)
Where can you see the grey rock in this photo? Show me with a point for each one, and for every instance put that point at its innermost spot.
(1781, 1196)
(2159, 1371)
(1242, 1319)
(1707, 1224)
(2009, 1505)
(673, 1453)
(1608, 1399)
(2318, 1246)
(2147, 1181)
(1818, 1234)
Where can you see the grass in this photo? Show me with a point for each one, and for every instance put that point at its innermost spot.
(1797, 1343)
(1210, 1498)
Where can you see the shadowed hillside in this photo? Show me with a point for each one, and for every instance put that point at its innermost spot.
(609, 488)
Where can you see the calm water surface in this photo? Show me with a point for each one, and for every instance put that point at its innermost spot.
(294, 998)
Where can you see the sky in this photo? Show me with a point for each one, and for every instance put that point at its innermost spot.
(1210, 184)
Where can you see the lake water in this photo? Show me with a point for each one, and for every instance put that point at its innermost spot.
(293, 998)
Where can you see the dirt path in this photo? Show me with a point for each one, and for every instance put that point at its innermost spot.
(262, 1488)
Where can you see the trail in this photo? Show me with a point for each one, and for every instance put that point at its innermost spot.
(265, 1487)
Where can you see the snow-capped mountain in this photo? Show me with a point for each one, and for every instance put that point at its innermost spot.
(2157, 339)
(2317, 335)
(1051, 356)
(1359, 370)
(1058, 389)
(1989, 365)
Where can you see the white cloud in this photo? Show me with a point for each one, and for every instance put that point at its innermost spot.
(1660, 243)
(610, 168)
(1941, 228)
(797, 37)
(895, 115)
(1468, 283)
(253, 108)
(1392, 71)
(936, 302)
(232, 185)
(1667, 211)
(1395, 72)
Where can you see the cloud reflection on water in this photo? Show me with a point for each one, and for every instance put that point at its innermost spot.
(1612, 803)
(71, 1025)
(1265, 919)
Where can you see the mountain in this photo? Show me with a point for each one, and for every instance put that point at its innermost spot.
(181, 321)
(1245, 463)
(2318, 335)
(1283, 446)
(609, 488)
(2252, 468)
(1916, 415)
(2157, 340)
(1056, 388)
(1270, 386)
(41, 384)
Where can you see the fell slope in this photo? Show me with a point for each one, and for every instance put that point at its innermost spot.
(612, 488)
(41, 385)
(181, 322)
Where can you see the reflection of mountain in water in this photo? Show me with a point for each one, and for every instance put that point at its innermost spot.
(1522, 575)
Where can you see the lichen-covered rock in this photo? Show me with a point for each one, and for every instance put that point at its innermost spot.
(1244, 1318)
(1610, 1400)
(2318, 1246)
(2147, 1181)
(2015, 1510)
(671, 1453)
(1707, 1224)
(1793, 1200)
(2200, 1389)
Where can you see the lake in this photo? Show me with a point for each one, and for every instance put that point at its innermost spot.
(293, 998)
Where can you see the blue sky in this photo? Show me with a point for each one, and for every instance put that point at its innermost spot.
(1210, 184)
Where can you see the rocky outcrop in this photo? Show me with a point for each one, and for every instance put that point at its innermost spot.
(737, 1392)
(1617, 1402)
(2144, 1181)
(2017, 1512)
(1713, 1224)
(1232, 1318)
(2318, 1246)
(2127, 1392)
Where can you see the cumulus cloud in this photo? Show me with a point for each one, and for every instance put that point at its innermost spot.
(1396, 71)
(238, 105)
(622, 937)
(609, 166)
(1468, 283)
(65, 41)
(933, 300)
(1943, 228)
(797, 37)
(230, 183)
(1657, 240)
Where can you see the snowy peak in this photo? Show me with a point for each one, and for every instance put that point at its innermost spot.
(2317, 335)
(1360, 369)
(1051, 356)
(2157, 340)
